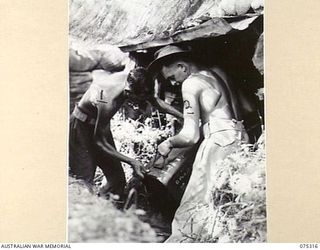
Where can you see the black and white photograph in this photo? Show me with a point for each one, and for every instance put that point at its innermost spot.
(166, 130)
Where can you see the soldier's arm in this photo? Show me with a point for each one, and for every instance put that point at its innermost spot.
(190, 133)
(102, 127)
(165, 107)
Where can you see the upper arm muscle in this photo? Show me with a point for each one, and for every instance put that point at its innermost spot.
(191, 108)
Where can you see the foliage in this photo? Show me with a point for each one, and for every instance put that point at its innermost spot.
(138, 140)
(237, 211)
(93, 219)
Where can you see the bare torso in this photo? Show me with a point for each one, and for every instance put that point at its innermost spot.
(106, 89)
(210, 108)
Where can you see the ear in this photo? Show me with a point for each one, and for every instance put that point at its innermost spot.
(183, 66)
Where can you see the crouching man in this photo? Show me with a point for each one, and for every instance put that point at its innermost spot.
(90, 140)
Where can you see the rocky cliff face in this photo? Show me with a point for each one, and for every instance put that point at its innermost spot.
(132, 22)
(123, 22)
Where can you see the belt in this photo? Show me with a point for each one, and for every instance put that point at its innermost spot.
(80, 115)
(219, 125)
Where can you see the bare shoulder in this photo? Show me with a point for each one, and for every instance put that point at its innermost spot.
(107, 80)
(192, 85)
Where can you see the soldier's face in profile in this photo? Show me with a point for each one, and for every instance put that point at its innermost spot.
(175, 73)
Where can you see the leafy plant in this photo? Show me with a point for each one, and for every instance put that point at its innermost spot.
(237, 209)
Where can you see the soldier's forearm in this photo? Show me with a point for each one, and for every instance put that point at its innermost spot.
(182, 140)
(111, 151)
(166, 108)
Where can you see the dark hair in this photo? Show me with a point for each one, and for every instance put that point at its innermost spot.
(140, 81)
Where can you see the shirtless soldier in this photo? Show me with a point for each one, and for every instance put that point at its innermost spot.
(207, 99)
(90, 140)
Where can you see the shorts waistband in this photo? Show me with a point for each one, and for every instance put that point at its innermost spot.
(218, 125)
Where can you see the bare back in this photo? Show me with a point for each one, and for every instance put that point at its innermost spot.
(105, 91)
(211, 86)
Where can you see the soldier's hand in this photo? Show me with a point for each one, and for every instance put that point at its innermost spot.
(164, 148)
(137, 168)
